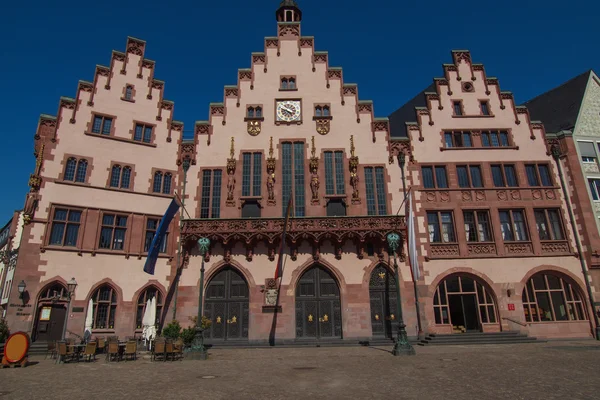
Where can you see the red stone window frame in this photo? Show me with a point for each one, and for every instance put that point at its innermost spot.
(255, 112)
(105, 127)
(69, 223)
(535, 168)
(105, 299)
(115, 227)
(505, 183)
(437, 214)
(486, 307)
(322, 111)
(545, 220)
(479, 221)
(338, 165)
(148, 293)
(128, 93)
(436, 184)
(548, 287)
(162, 189)
(513, 228)
(288, 83)
(143, 138)
(112, 136)
(458, 139)
(150, 227)
(469, 170)
(210, 194)
(491, 136)
(77, 162)
(458, 109)
(110, 182)
(484, 108)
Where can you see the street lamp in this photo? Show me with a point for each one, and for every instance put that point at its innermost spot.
(402, 163)
(198, 350)
(22, 285)
(71, 285)
(401, 346)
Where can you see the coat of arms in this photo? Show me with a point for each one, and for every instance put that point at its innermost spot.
(322, 126)
(253, 127)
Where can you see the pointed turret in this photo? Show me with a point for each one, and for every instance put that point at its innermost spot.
(288, 11)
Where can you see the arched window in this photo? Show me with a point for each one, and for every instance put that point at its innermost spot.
(318, 111)
(250, 113)
(291, 83)
(81, 170)
(148, 294)
(115, 176)
(258, 111)
(284, 83)
(550, 297)
(105, 307)
(126, 177)
(128, 92)
(167, 183)
(157, 182)
(70, 169)
(54, 291)
(325, 111)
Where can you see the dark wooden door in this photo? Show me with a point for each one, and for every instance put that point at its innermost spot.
(50, 323)
(226, 306)
(318, 307)
(382, 293)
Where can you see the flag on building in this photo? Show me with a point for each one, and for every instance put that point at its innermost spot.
(159, 236)
(279, 268)
(412, 238)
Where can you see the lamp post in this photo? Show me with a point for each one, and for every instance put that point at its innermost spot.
(71, 285)
(401, 346)
(21, 287)
(198, 350)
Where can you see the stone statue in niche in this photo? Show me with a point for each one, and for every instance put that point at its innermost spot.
(271, 187)
(354, 183)
(230, 187)
(314, 187)
(30, 206)
(231, 163)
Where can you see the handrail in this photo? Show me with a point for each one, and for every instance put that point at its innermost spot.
(516, 322)
(74, 334)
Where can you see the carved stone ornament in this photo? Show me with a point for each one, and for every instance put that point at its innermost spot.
(354, 180)
(254, 127)
(231, 163)
(271, 297)
(314, 172)
(271, 176)
(323, 126)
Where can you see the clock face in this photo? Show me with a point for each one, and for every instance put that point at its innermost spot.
(288, 110)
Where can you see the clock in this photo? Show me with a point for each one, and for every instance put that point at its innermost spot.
(288, 110)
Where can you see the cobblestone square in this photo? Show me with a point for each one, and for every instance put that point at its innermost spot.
(554, 370)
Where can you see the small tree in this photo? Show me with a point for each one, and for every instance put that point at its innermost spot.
(4, 331)
(172, 330)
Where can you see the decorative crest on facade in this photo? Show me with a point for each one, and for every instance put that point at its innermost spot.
(231, 164)
(271, 175)
(254, 127)
(314, 172)
(354, 180)
(323, 125)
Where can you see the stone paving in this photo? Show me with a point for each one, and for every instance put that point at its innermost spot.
(555, 370)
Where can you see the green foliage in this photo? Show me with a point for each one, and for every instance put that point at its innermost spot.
(172, 330)
(188, 334)
(205, 321)
(4, 332)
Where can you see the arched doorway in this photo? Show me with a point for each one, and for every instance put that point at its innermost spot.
(51, 312)
(382, 294)
(550, 296)
(226, 306)
(465, 303)
(318, 309)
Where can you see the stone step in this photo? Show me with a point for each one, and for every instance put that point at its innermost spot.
(490, 341)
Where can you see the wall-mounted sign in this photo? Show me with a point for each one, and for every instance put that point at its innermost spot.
(45, 314)
(511, 307)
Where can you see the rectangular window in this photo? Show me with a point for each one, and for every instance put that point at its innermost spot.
(504, 175)
(512, 225)
(458, 139)
(477, 226)
(210, 200)
(587, 151)
(457, 108)
(434, 177)
(151, 227)
(469, 176)
(292, 168)
(102, 125)
(538, 173)
(441, 227)
(65, 227)
(595, 188)
(375, 191)
(494, 139)
(251, 174)
(485, 108)
(112, 234)
(549, 224)
(334, 182)
(143, 133)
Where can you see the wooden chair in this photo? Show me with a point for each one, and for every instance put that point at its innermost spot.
(178, 349)
(101, 345)
(158, 348)
(169, 350)
(51, 350)
(65, 352)
(90, 351)
(131, 350)
(113, 351)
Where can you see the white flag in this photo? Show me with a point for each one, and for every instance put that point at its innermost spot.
(412, 239)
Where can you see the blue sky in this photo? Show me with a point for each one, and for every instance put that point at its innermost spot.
(390, 48)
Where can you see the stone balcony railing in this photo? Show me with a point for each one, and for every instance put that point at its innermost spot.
(250, 231)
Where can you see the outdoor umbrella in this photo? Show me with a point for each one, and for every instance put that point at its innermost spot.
(146, 320)
(89, 320)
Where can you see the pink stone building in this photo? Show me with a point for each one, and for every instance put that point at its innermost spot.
(496, 249)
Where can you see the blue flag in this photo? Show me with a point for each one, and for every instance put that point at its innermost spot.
(159, 236)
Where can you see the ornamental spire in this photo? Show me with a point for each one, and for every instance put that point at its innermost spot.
(288, 11)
